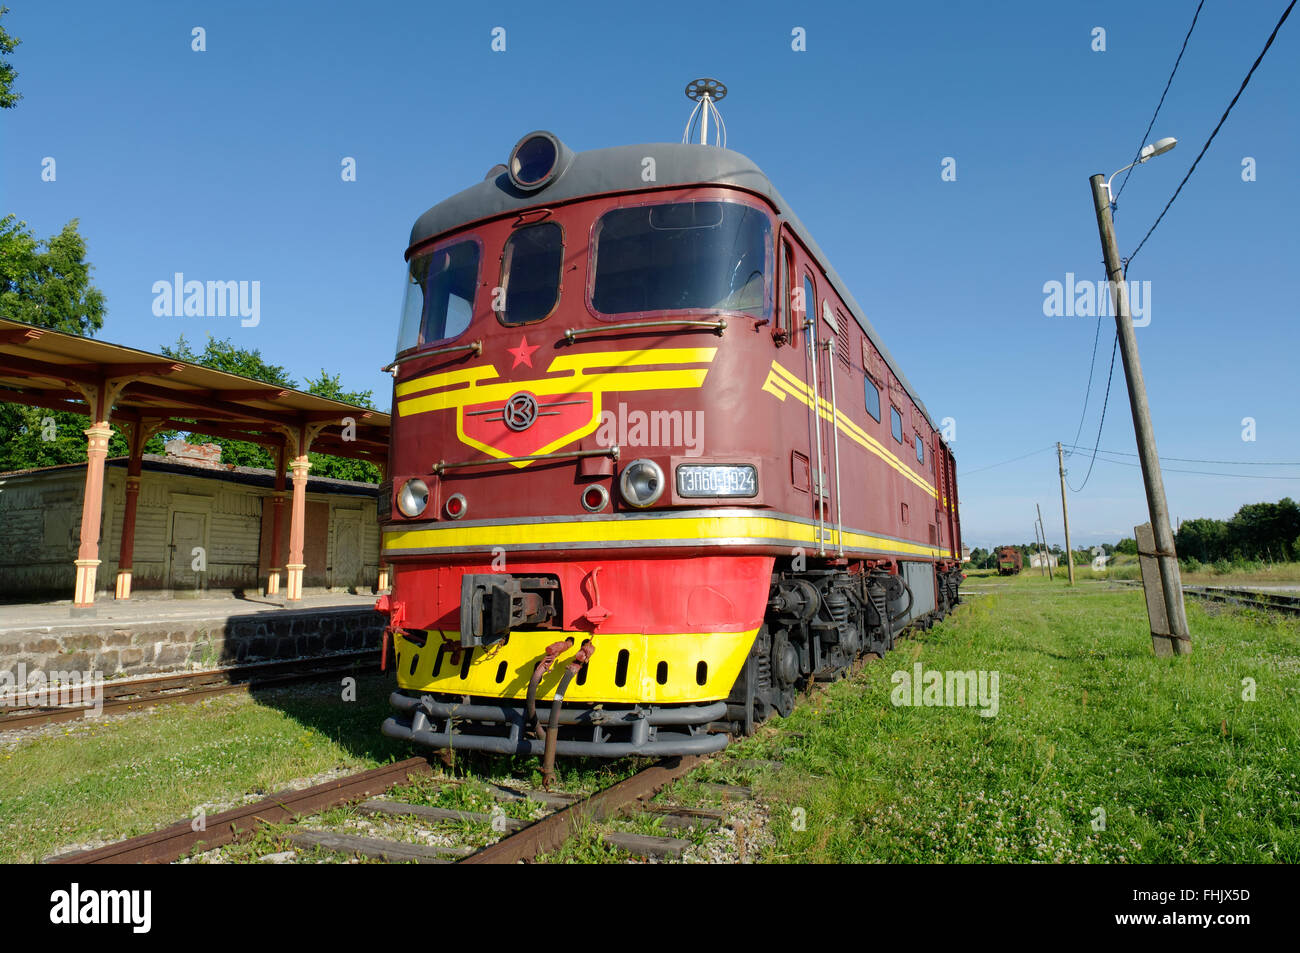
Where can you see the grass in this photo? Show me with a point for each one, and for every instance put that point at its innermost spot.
(115, 778)
(1183, 767)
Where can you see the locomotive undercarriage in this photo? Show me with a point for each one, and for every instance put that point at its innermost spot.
(818, 623)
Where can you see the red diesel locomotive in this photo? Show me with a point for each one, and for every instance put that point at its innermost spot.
(652, 469)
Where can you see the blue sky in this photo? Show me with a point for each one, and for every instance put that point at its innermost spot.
(225, 165)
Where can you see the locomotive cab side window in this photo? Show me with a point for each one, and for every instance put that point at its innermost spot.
(440, 287)
(873, 399)
(920, 449)
(896, 423)
(530, 273)
(682, 256)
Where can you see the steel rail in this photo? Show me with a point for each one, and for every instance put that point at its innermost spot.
(173, 843)
(554, 829)
(186, 688)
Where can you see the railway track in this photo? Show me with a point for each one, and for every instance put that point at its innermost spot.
(1250, 598)
(522, 840)
(32, 710)
(1253, 598)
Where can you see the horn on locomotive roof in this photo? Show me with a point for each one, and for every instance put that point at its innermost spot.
(704, 93)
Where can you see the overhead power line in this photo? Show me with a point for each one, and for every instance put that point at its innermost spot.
(1096, 338)
(1286, 13)
(1110, 376)
(1239, 476)
(1169, 83)
(1235, 463)
(1005, 462)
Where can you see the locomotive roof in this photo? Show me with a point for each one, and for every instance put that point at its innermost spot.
(619, 169)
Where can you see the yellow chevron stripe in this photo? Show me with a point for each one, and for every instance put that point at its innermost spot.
(781, 381)
(685, 529)
(571, 363)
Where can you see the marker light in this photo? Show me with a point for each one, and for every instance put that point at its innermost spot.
(456, 506)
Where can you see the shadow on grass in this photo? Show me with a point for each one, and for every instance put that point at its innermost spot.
(355, 727)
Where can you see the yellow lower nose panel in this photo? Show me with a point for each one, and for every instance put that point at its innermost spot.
(669, 668)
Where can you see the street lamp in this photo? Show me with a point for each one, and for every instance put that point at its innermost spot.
(1169, 635)
(1149, 151)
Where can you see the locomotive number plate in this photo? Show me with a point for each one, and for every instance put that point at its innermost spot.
(697, 480)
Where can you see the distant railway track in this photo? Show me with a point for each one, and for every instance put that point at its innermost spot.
(26, 711)
(1250, 598)
(1253, 598)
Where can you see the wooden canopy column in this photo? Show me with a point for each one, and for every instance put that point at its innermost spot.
(137, 434)
(277, 524)
(99, 402)
(298, 443)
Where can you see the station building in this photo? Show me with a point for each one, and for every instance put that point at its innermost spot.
(201, 527)
(183, 523)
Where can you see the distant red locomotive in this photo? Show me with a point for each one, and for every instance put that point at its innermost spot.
(652, 470)
(1010, 561)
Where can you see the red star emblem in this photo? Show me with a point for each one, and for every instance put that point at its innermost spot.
(523, 353)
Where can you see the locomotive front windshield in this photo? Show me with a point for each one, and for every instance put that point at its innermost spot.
(439, 294)
(709, 256)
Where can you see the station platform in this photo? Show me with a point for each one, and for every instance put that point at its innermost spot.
(134, 637)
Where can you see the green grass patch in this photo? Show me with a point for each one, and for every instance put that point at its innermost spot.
(117, 777)
(1185, 769)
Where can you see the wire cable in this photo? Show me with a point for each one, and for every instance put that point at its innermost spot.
(1102, 423)
(1092, 366)
(1242, 476)
(967, 473)
(1222, 119)
(1233, 463)
(1152, 123)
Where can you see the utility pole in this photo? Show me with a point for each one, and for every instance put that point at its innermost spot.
(1065, 511)
(1047, 557)
(1178, 641)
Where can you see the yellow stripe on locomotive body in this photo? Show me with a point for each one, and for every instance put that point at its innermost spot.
(717, 656)
(720, 528)
(781, 381)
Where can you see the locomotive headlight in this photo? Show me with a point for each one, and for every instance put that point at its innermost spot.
(537, 160)
(413, 498)
(642, 482)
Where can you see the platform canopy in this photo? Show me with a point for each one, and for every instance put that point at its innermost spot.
(143, 393)
(50, 369)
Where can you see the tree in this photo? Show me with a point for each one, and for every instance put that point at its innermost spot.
(1203, 539)
(222, 355)
(48, 286)
(341, 468)
(1127, 546)
(8, 98)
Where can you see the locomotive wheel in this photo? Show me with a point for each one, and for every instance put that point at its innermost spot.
(751, 700)
(740, 703)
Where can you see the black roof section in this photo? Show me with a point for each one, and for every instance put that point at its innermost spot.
(619, 169)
